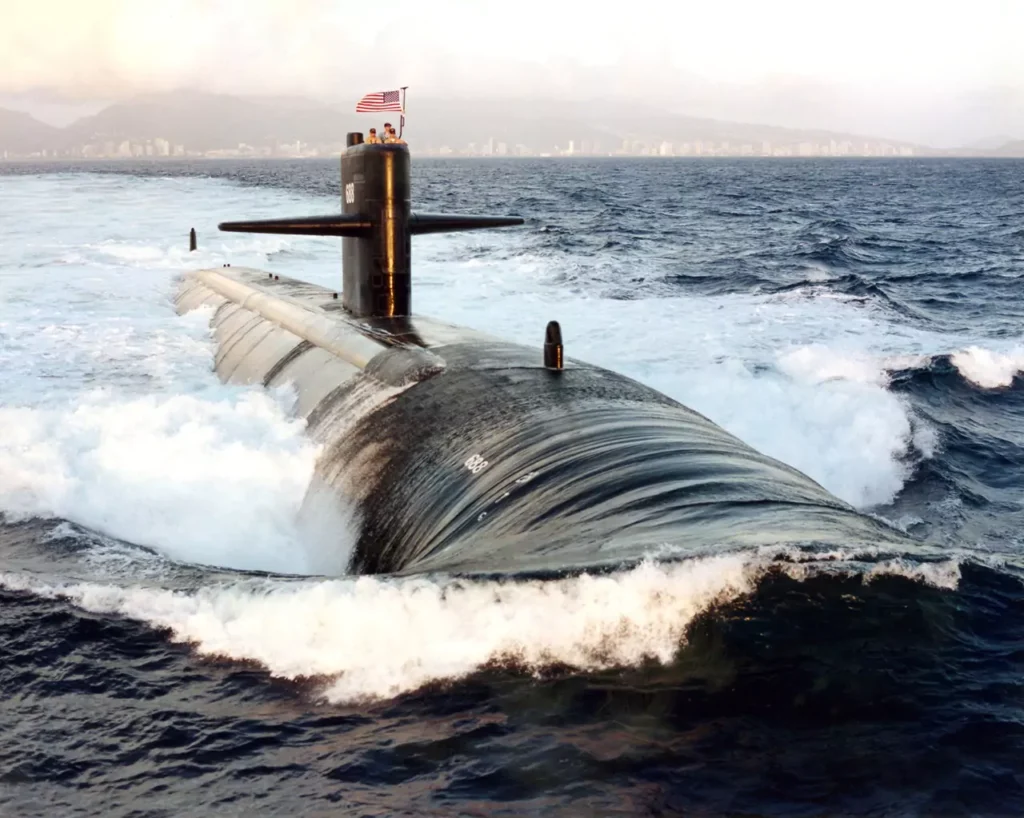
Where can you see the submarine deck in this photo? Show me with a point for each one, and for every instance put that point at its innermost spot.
(313, 311)
(463, 453)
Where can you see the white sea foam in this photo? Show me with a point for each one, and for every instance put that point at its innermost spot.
(987, 368)
(110, 413)
(829, 415)
(202, 480)
(944, 574)
(374, 638)
(818, 363)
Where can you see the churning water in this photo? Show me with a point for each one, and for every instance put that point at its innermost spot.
(174, 643)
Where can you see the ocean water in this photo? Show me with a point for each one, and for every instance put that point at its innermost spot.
(173, 643)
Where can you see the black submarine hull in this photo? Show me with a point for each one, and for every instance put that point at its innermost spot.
(463, 453)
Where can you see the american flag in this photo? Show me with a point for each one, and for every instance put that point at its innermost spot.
(379, 101)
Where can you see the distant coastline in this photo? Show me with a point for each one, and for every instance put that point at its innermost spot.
(188, 125)
(157, 160)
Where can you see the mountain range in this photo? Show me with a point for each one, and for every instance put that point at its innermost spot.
(20, 133)
(203, 122)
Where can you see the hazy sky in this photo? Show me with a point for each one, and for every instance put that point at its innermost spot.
(942, 72)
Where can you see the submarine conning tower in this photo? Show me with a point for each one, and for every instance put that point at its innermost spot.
(376, 226)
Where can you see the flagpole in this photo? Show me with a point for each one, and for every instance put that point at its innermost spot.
(401, 120)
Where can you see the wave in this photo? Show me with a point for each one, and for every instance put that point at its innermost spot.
(377, 638)
(977, 366)
(973, 400)
(814, 281)
(850, 287)
(986, 370)
(829, 226)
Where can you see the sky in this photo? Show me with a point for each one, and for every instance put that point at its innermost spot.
(944, 72)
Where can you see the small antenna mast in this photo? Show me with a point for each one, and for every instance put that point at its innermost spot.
(401, 118)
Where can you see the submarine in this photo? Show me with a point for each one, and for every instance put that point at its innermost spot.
(466, 454)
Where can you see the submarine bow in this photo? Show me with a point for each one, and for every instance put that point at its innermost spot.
(464, 453)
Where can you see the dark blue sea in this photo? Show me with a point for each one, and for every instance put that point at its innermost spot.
(171, 643)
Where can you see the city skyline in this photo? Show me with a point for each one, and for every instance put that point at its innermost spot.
(189, 125)
(494, 148)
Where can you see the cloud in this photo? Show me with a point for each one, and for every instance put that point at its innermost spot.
(111, 48)
(784, 60)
